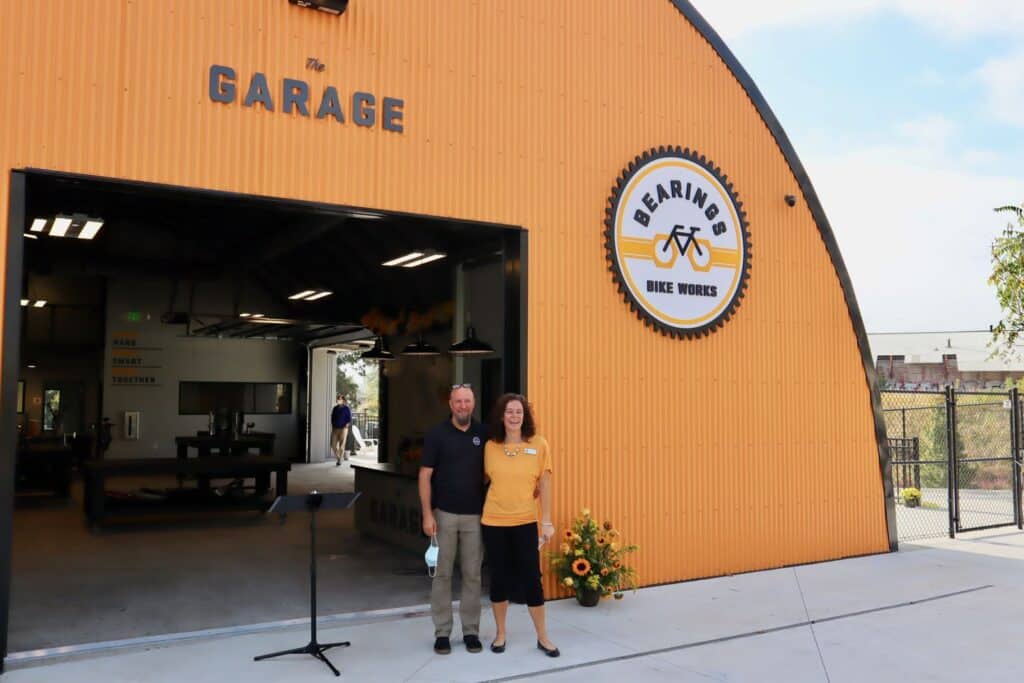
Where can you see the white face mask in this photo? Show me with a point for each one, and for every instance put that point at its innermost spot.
(431, 557)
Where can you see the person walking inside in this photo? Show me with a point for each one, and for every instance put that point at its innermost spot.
(517, 462)
(341, 419)
(451, 495)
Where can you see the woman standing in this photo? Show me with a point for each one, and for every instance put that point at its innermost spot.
(518, 465)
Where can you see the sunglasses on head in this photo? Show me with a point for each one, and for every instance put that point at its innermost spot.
(466, 385)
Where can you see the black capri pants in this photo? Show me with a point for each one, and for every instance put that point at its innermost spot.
(514, 561)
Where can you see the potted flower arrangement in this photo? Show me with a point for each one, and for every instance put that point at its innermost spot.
(591, 560)
(911, 497)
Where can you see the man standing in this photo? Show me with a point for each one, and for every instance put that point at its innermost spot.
(341, 418)
(451, 484)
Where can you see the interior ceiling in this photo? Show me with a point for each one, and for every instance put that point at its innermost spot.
(277, 246)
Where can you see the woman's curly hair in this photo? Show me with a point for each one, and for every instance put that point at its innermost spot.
(497, 425)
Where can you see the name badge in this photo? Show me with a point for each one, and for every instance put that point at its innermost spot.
(530, 451)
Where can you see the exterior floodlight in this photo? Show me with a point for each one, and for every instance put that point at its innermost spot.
(329, 6)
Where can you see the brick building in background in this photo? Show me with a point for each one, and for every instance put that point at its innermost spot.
(927, 361)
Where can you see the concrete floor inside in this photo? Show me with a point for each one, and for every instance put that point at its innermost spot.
(74, 585)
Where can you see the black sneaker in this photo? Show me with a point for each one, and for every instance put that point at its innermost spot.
(473, 643)
(442, 646)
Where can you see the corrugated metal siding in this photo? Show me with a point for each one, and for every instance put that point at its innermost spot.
(751, 448)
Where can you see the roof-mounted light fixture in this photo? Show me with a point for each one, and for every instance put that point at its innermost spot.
(421, 348)
(415, 258)
(76, 225)
(329, 6)
(378, 352)
(310, 295)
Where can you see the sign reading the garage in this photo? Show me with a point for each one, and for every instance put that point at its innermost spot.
(677, 243)
(296, 97)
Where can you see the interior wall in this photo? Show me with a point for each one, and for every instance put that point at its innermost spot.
(64, 343)
(417, 395)
(168, 356)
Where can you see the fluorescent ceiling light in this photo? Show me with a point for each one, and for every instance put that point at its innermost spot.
(24, 302)
(31, 236)
(319, 295)
(60, 226)
(424, 260)
(92, 226)
(302, 295)
(38, 225)
(40, 303)
(250, 315)
(402, 259)
(271, 321)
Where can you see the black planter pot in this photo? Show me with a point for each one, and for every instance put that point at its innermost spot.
(587, 597)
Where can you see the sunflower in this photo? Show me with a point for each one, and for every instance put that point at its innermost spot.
(612, 533)
(604, 571)
(568, 534)
(601, 540)
(607, 526)
(581, 567)
(617, 564)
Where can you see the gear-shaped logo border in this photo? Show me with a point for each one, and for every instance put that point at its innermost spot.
(611, 253)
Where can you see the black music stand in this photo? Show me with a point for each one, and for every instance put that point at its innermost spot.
(312, 502)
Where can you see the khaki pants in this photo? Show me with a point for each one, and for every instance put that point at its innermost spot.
(457, 535)
(338, 439)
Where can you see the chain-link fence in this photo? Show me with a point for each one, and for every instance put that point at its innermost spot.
(973, 436)
(918, 435)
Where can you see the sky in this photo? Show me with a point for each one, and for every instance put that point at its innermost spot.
(909, 118)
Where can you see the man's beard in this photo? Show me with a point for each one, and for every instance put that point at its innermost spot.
(462, 421)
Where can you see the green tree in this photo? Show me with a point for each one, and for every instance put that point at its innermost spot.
(1008, 279)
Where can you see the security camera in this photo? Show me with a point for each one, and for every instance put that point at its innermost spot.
(790, 200)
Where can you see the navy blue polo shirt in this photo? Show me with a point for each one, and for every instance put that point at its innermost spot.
(341, 416)
(457, 457)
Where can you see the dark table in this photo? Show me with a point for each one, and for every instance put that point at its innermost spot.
(44, 465)
(238, 444)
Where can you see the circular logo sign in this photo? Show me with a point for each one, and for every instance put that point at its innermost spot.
(677, 242)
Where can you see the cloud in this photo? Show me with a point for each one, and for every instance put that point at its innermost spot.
(957, 19)
(1003, 79)
(929, 132)
(915, 230)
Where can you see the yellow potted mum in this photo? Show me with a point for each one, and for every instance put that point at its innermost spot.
(591, 561)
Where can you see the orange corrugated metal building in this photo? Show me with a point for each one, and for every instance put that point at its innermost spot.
(739, 442)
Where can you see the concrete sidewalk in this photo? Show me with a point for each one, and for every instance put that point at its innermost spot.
(941, 611)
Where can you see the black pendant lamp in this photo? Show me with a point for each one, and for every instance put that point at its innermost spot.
(378, 352)
(470, 346)
(420, 348)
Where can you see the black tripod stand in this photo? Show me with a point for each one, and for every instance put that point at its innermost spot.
(312, 502)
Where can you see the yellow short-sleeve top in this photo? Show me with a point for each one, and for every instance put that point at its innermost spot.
(514, 477)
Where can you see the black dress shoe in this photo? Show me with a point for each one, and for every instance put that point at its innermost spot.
(497, 649)
(442, 646)
(472, 643)
(553, 652)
